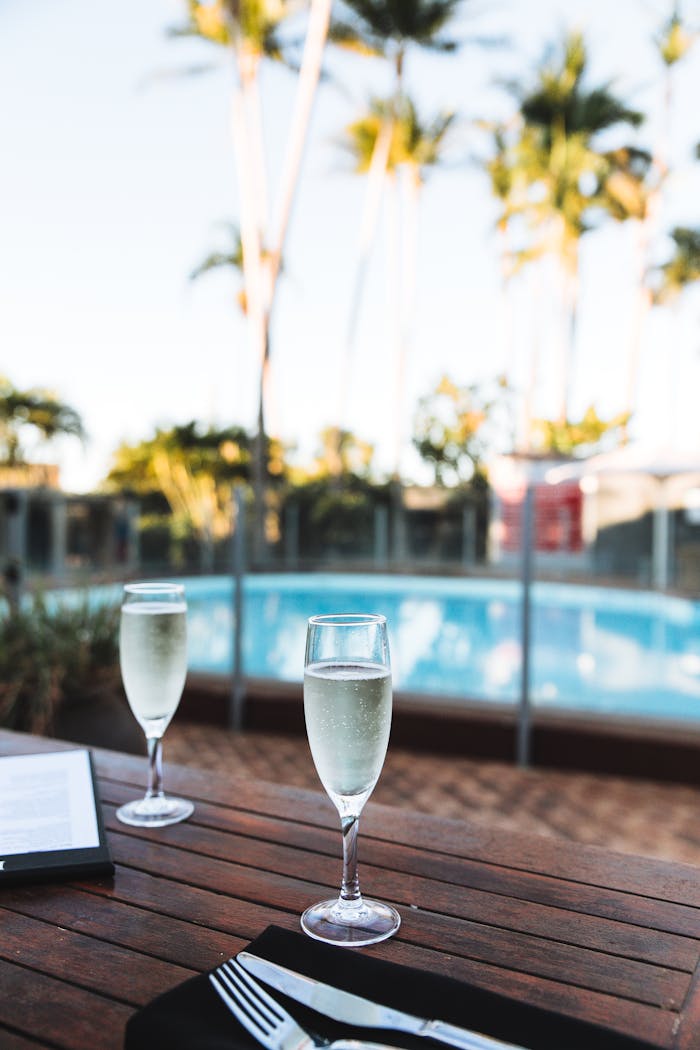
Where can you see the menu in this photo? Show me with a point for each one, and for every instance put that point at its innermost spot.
(50, 821)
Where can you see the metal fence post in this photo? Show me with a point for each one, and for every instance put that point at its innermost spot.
(237, 699)
(15, 507)
(469, 535)
(291, 535)
(381, 536)
(527, 532)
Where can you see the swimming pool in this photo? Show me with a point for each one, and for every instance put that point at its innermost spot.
(594, 649)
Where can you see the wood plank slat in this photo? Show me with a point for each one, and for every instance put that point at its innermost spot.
(600, 1008)
(687, 1031)
(90, 963)
(13, 1041)
(213, 908)
(626, 978)
(59, 1014)
(176, 940)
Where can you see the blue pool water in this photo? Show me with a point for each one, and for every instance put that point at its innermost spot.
(594, 649)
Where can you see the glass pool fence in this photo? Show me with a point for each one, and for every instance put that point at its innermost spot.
(550, 601)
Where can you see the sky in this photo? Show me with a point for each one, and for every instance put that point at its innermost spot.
(117, 173)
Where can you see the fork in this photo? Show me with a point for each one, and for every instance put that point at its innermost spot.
(266, 1019)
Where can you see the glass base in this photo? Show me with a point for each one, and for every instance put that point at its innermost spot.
(350, 924)
(155, 812)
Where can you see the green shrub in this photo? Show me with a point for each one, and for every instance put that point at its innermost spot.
(55, 656)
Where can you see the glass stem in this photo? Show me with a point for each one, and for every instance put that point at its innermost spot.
(155, 767)
(350, 889)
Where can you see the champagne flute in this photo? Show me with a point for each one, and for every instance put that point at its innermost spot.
(153, 659)
(347, 707)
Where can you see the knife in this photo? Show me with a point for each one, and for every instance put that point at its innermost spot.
(353, 1009)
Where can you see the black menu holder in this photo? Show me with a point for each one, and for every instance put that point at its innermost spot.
(51, 823)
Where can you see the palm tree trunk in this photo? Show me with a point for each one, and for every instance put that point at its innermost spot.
(412, 187)
(571, 294)
(254, 120)
(256, 313)
(395, 303)
(314, 45)
(261, 271)
(250, 229)
(534, 365)
(648, 228)
(368, 229)
(642, 309)
(407, 263)
(505, 256)
(268, 267)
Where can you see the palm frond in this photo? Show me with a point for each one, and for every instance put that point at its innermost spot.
(417, 21)
(683, 268)
(347, 35)
(196, 69)
(214, 261)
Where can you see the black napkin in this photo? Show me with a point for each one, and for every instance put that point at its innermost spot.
(192, 1016)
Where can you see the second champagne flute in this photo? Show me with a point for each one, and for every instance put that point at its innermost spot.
(153, 659)
(347, 706)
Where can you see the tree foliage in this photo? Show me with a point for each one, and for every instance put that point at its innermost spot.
(557, 173)
(341, 455)
(388, 27)
(195, 469)
(254, 24)
(38, 410)
(586, 434)
(675, 38)
(455, 427)
(415, 142)
(548, 167)
(54, 655)
(336, 496)
(683, 268)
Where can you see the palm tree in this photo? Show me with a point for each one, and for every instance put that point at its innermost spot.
(195, 469)
(673, 43)
(390, 27)
(250, 32)
(414, 147)
(230, 258)
(561, 180)
(669, 283)
(509, 187)
(227, 258)
(683, 268)
(37, 409)
(386, 28)
(422, 144)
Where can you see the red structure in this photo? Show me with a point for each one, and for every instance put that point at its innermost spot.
(558, 517)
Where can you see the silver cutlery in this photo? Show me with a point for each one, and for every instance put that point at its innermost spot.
(266, 1020)
(353, 1009)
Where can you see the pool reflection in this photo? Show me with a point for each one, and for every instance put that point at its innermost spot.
(593, 649)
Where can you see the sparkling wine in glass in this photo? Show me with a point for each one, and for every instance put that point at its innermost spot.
(347, 707)
(153, 659)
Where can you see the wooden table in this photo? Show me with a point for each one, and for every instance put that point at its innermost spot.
(594, 934)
